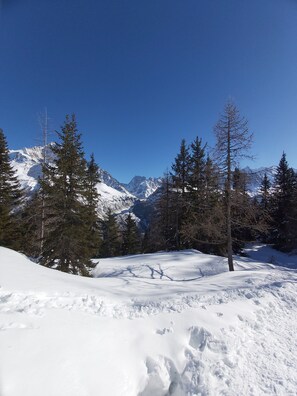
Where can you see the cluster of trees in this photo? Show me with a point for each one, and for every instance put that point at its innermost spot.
(59, 226)
(278, 203)
(204, 203)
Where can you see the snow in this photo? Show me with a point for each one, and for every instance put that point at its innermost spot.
(157, 324)
(27, 164)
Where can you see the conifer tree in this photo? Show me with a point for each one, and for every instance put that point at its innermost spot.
(111, 238)
(91, 206)
(233, 143)
(66, 244)
(197, 166)
(265, 193)
(131, 237)
(202, 227)
(180, 182)
(162, 230)
(10, 196)
(180, 168)
(283, 202)
(264, 206)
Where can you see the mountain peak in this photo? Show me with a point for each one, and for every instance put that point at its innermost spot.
(142, 187)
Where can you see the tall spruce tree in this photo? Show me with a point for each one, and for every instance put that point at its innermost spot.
(91, 201)
(264, 204)
(233, 142)
(10, 196)
(180, 182)
(162, 230)
(265, 194)
(66, 245)
(202, 227)
(111, 237)
(131, 237)
(283, 202)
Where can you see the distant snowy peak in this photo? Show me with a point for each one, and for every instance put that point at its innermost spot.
(27, 163)
(110, 181)
(255, 177)
(142, 187)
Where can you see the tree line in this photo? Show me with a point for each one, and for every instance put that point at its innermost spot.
(204, 203)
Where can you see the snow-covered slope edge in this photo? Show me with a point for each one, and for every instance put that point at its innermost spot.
(160, 324)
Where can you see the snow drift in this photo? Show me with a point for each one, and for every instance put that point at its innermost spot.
(158, 324)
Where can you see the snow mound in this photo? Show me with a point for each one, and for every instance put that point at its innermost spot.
(157, 324)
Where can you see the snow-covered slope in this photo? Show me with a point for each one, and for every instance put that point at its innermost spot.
(27, 164)
(149, 325)
(142, 187)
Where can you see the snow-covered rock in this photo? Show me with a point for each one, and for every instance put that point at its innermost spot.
(159, 324)
(142, 187)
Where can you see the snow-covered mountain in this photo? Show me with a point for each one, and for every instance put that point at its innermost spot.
(114, 195)
(142, 187)
(255, 176)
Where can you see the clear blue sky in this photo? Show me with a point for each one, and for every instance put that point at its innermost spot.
(142, 74)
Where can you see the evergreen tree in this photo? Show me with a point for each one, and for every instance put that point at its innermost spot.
(31, 225)
(244, 212)
(162, 230)
(111, 243)
(197, 167)
(180, 182)
(202, 227)
(264, 205)
(283, 211)
(66, 244)
(265, 195)
(10, 197)
(91, 201)
(180, 168)
(131, 237)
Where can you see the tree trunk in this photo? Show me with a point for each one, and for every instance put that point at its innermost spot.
(228, 193)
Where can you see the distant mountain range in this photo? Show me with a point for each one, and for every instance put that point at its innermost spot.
(138, 196)
(118, 197)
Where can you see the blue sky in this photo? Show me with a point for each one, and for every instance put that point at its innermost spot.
(143, 74)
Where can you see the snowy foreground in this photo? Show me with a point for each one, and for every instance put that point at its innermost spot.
(149, 325)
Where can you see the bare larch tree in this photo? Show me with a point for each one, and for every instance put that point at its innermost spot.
(233, 141)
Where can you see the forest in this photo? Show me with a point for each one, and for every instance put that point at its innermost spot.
(204, 203)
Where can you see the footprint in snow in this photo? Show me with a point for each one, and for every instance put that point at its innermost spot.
(164, 331)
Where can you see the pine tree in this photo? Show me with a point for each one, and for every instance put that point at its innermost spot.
(131, 237)
(233, 142)
(180, 168)
(111, 243)
(91, 206)
(31, 222)
(197, 165)
(202, 227)
(180, 183)
(265, 194)
(244, 211)
(10, 197)
(283, 201)
(162, 230)
(66, 244)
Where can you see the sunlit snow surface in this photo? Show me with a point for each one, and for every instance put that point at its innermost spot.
(150, 325)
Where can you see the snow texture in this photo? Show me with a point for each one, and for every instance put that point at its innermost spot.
(149, 325)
